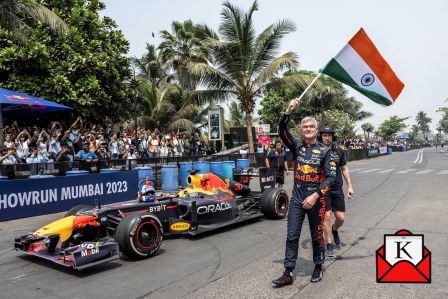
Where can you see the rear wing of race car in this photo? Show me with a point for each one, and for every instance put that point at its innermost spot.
(82, 256)
(266, 176)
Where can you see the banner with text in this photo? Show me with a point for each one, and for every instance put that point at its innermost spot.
(32, 197)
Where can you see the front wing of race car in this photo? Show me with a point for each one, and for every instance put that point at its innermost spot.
(82, 256)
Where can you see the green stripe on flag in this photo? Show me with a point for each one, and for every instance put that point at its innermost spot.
(335, 70)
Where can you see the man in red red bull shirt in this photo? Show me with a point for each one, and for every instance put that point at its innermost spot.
(313, 177)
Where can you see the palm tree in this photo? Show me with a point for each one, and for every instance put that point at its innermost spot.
(184, 44)
(367, 128)
(236, 117)
(423, 122)
(163, 102)
(243, 63)
(19, 17)
(151, 68)
(322, 97)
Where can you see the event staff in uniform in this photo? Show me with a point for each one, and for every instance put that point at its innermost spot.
(313, 177)
(276, 160)
(335, 197)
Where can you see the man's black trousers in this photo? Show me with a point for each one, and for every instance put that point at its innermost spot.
(296, 216)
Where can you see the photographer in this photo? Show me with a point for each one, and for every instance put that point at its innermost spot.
(131, 155)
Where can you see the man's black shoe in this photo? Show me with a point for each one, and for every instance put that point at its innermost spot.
(284, 280)
(336, 239)
(317, 274)
(329, 250)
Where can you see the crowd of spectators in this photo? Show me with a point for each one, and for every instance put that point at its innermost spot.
(90, 143)
(375, 142)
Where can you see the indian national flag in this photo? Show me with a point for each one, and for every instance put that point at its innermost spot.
(360, 65)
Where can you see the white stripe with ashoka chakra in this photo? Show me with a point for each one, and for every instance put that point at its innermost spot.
(356, 67)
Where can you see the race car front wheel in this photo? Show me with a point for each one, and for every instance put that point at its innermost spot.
(274, 203)
(139, 235)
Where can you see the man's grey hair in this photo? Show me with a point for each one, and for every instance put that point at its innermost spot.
(309, 119)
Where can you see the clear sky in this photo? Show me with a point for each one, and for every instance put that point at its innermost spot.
(412, 35)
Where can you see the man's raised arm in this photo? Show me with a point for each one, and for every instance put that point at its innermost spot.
(285, 135)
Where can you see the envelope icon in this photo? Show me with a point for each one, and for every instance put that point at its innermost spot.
(403, 271)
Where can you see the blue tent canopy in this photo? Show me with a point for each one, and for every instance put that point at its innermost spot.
(404, 136)
(12, 100)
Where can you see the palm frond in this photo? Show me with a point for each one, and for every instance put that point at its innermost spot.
(20, 31)
(201, 97)
(182, 123)
(39, 13)
(288, 60)
(211, 77)
(268, 43)
(297, 81)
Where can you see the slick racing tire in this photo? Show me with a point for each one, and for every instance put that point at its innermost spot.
(139, 235)
(274, 203)
(79, 208)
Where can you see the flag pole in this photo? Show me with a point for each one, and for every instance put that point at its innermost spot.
(310, 85)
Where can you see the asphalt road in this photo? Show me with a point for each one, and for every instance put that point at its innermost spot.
(400, 191)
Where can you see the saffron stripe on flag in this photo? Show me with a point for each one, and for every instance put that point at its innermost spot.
(362, 44)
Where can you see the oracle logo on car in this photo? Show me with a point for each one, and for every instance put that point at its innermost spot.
(180, 226)
(214, 208)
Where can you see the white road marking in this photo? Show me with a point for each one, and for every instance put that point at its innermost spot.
(370, 170)
(406, 170)
(424, 171)
(356, 169)
(443, 172)
(418, 156)
(387, 170)
(421, 157)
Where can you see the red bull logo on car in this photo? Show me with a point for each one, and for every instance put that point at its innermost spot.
(209, 183)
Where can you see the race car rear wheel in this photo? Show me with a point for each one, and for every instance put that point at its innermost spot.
(139, 235)
(274, 203)
(79, 208)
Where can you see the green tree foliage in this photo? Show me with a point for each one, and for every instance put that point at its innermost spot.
(165, 101)
(272, 105)
(185, 44)
(443, 124)
(83, 69)
(243, 62)
(20, 17)
(423, 122)
(392, 126)
(236, 116)
(339, 120)
(367, 128)
(327, 94)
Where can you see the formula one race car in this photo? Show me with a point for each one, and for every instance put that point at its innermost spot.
(87, 236)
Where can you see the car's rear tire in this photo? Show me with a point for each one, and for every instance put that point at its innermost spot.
(274, 203)
(79, 208)
(139, 235)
